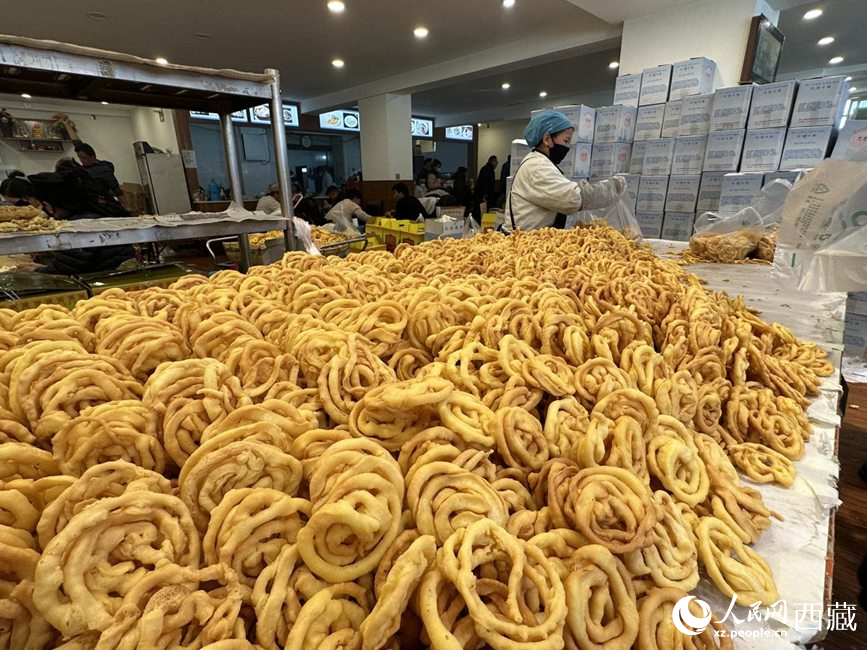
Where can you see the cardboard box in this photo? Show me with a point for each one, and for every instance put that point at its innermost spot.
(738, 191)
(632, 183)
(820, 101)
(626, 89)
(581, 154)
(655, 83)
(650, 224)
(731, 108)
(693, 77)
(615, 124)
(771, 105)
(658, 155)
(648, 123)
(851, 140)
(677, 226)
(636, 162)
(520, 149)
(682, 193)
(567, 165)
(689, 154)
(583, 118)
(652, 191)
(723, 151)
(671, 121)
(610, 158)
(763, 149)
(133, 198)
(695, 115)
(709, 192)
(806, 146)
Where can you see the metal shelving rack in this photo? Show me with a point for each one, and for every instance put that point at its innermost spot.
(56, 70)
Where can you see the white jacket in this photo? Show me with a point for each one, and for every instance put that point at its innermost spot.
(539, 192)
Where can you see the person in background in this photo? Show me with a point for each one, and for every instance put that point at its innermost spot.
(101, 170)
(460, 186)
(16, 189)
(306, 208)
(348, 208)
(436, 166)
(505, 172)
(70, 195)
(435, 186)
(408, 207)
(327, 178)
(486, 185)
(334, 195)
(541, 196)
(269, 202)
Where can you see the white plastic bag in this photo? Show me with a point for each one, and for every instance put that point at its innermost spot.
(471, 228)
(823, 236)
(304, 236)
(342, 222)
(618, 215)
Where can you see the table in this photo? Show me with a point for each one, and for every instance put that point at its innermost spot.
(799, 550)
(44, 243)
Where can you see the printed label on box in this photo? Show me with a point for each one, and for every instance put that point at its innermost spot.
(636, 162)
(806, 146)
(650, 223)
(652, 191)
(671, 121)
(820, 101)
(731, 108)
(657, 157)
(583, 155)
(692, 77)
(682, 193)
(689, 154)
(771, 105)
(648, 123)
(738, 191)
(654, 85)
(584, 120)
(695, 115)
(723, 152)
(763, 149)
(851, 141)
(615, 124)
(632, 183)
(626, 89)
(709, 192)
(677, 226)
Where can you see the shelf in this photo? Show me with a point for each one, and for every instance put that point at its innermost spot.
(36, 139)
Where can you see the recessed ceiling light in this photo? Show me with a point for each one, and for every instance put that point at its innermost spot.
(836, 60)
(852, 89)
(336, 6)
(506, 86)
(614, 65)
(848, 78)
(826, 40)
(420, 32)
(26, 96)
(104, 103)
(813, 13)
(543, 94)
(508, 3)
(338, 63)
(96, 15)
(479, 124)
(161, 60)
(204, 36)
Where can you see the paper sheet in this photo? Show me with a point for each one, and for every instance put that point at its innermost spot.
(796, 548)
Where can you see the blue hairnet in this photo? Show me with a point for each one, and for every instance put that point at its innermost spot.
(545, 122)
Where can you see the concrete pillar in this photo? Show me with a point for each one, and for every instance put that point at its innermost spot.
(386, 142)
(711, 28)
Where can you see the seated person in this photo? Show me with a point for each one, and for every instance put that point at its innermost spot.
(346, 209)
(435, 186)
(70, 195)
(334, 195)
(269, 203)
(408, 207)
(306, 208)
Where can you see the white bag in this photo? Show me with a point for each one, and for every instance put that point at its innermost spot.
(823, 236)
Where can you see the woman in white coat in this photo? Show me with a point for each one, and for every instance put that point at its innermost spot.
(541, 195)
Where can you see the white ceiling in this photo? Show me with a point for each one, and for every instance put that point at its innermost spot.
(299, 37)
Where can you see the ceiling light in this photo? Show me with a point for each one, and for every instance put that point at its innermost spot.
(848, 78)
(836, 60)
(826, 40)
(543, 94)
(813, 13)
(420, 32)
(479, 124)
(338, 63)
(508, 3)
(852, 89)
(336, 6)
(104, 103)
(161, 60)
(26, 96)
(506, 86)
(614, 65)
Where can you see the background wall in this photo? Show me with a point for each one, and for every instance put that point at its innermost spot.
(495, 139)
